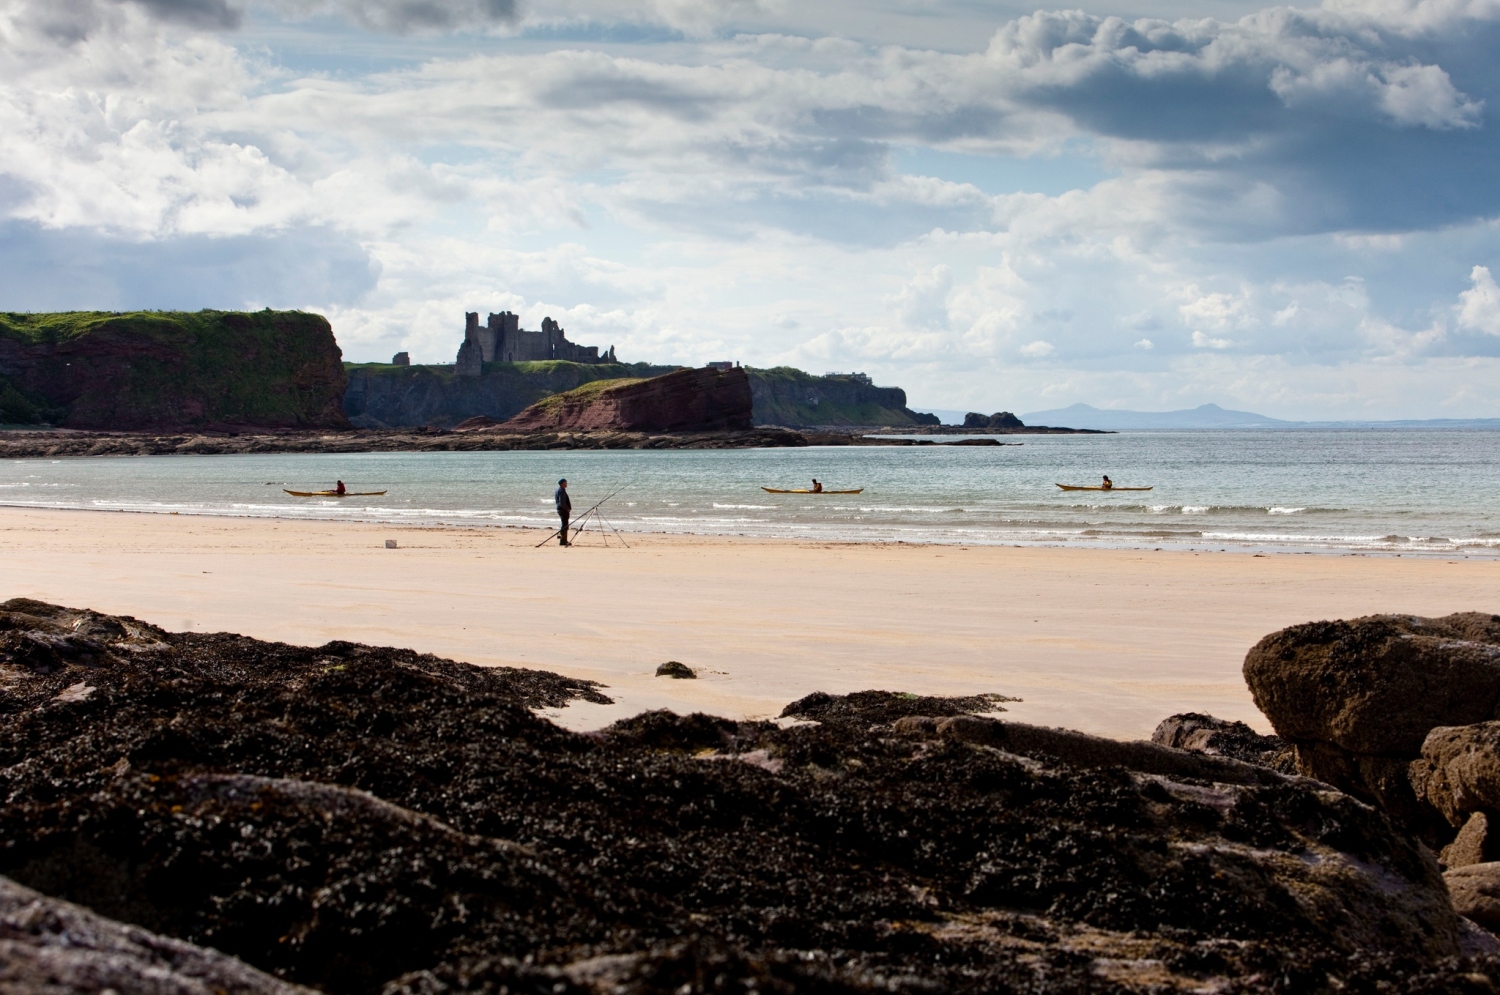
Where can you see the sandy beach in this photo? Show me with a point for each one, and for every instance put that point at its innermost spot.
(1105, 641)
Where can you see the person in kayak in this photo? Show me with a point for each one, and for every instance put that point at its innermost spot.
(564, 510)
(1108, 484)
(817, 487)
(339, 489)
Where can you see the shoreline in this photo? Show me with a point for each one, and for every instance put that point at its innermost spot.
(1106, 641)
(1237, 546)
(27, 443)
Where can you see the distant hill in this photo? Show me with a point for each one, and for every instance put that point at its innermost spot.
(1203, 416)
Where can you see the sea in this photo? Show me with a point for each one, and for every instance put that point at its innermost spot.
(1398, 491)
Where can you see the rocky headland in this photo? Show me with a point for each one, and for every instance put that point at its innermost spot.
(163, 369)
(386, 396)
(701, 400)
(208, 812)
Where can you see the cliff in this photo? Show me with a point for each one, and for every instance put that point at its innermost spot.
(787, 396)
(162, 369)
(685, 401)
(387, 396)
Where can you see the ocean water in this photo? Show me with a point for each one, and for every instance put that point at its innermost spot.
(1397, 491)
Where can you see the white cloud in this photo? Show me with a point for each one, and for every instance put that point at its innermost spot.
(1479, 306)
(739, 195)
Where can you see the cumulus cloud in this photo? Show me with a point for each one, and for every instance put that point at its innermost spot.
(745, 195)
(1479, 306)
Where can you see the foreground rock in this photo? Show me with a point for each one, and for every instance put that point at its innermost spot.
(53, 947)
(363, 819)
(1221, 738)
(701, 400)
(1358, 698)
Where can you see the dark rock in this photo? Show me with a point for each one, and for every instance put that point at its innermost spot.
(1082, 750)
(57, 948)
(1475, 891)
(1357, 698)
(1476, 843)
(366, 819)
(672, 668)
(1220, 737)
(888, 706)
(477, 422)
(1458, 772)
(998, 420)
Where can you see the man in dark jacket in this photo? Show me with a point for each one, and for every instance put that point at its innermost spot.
(564, 509)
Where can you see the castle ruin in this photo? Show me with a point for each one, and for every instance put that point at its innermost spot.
(502, 340)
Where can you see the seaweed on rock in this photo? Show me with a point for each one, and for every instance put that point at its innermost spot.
(364, 819)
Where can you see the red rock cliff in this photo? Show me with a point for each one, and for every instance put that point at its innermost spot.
(685, 401)
(170, 370)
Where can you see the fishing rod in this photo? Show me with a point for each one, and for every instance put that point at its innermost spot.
(582, 518)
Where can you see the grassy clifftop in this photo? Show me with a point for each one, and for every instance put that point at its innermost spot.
(787, 396)
(169, 369)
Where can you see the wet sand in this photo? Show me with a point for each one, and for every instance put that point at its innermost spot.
(1106, 641)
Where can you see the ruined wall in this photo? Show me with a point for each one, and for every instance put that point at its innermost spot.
(502, 339)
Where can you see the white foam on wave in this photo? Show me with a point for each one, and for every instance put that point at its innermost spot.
(1284, 511)
(745, 507)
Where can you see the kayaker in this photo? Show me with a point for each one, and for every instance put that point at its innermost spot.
(564, 510)
(1108, 484)
(817, 487)
(339, 489)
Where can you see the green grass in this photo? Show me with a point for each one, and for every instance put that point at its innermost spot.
(586, 393)
(783, 397)
(98, 369)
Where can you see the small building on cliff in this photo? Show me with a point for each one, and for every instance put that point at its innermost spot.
(501, 339)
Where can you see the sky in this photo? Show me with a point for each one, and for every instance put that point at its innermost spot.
(1147, 204)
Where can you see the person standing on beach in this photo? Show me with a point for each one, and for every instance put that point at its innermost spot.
(564, 510)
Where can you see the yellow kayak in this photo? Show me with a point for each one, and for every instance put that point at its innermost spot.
(1096, 487)
(334, 493)
(804, 490)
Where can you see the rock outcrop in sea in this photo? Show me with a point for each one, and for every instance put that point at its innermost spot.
(701, 400)
(362, 819)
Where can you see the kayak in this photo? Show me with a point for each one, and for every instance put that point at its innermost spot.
(1096, 487)
(334, 493)
(804, 490)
